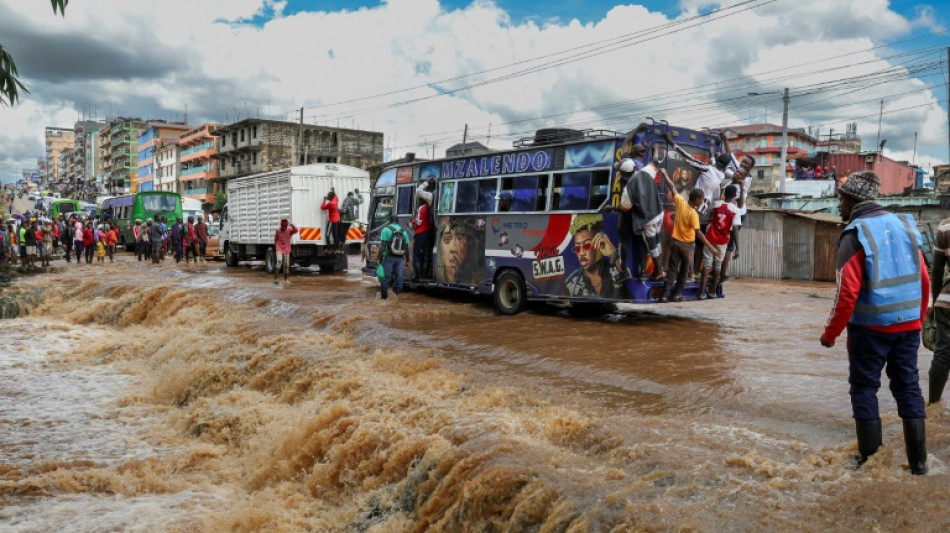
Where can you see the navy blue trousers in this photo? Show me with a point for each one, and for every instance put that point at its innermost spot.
(870, 352)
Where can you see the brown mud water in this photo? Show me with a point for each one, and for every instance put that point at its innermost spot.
(200, 398)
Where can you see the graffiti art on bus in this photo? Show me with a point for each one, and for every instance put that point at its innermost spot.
(597, 154)
(460, 250)
(431, 170)
(596, 253)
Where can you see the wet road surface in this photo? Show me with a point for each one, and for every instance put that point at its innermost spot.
(206, 398)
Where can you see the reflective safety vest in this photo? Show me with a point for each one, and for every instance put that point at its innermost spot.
(890, 293)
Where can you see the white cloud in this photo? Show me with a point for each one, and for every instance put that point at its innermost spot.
(319, 58)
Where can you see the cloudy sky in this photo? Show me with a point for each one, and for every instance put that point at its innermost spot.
(420, 70)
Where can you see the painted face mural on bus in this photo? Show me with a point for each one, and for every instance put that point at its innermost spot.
(460, 250)
(595, 253)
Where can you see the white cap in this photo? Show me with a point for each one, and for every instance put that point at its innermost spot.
(627, 165)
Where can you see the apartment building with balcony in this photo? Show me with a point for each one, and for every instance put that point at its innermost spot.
(149, 139)
(57, 139)
(167, 166)
(256, 145)
(123, 154)
(199, 167)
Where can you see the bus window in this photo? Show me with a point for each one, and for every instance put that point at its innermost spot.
(572, 191)
(382, 213)
(159, 203)
(447, 197)
(404, 207)
(387, 178)
(487, 189)
(529, 193)
(599, 188)
(467, 197)
(580, 191)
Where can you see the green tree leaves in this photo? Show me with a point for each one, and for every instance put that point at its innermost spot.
(10, 85)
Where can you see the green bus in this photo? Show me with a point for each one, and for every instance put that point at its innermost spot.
(124, 210)
(60, 207)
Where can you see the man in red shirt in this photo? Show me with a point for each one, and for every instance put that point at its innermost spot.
(331, 204)
(883, 288)
(282, 248)
(422, 235)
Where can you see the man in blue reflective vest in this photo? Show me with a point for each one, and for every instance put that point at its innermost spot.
(882, 296)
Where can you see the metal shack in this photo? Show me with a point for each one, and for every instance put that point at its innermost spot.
(781, 244)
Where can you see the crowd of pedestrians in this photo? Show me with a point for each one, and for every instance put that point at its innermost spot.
(30, 239)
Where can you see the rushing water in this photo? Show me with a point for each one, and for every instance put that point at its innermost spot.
(202, 398)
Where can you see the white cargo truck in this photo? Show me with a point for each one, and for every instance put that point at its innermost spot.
(256, 205)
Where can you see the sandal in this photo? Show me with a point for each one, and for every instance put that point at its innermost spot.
(663, 300)
(677, 298)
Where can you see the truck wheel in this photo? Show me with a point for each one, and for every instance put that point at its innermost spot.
(327, 268)
(270, 261)
(509, 294)
(230, 258)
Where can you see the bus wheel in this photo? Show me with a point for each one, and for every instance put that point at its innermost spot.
(270, 261)
(230, 258)
(510, 295)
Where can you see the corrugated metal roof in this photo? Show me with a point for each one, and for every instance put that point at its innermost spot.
(813, 215)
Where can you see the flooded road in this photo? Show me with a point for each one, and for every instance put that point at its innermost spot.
(203, 398)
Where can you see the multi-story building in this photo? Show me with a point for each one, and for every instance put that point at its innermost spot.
(81, 177)
(764, 143)
(199, 167)
(167, 166)
(257, 145)
(123, 154)
(57, 139)
(62, 169)
(149, 139)
(104, 157)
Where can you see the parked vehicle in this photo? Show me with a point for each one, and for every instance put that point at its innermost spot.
(256, 205)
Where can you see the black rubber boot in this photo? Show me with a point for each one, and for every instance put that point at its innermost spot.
(869, 439)
(936, 388)
(916, 443)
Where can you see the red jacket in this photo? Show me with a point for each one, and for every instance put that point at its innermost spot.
(332, 207)
(421, 223)
(851, 258)
(88, 239)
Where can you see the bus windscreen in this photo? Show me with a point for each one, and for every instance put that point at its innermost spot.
(159, 203)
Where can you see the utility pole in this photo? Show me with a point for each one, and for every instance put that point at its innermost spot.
(781, 175)
(879, 117)
(299, 140)
(465, 140)
(948, 104)
(913, 158)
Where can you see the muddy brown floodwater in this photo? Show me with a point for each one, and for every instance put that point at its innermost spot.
(204, 398)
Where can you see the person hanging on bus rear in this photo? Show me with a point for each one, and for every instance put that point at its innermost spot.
(709, 181)
(641, 198)
(725, 222)
(331, 206)
(422, 235)
(683, 240)
(349, 214)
